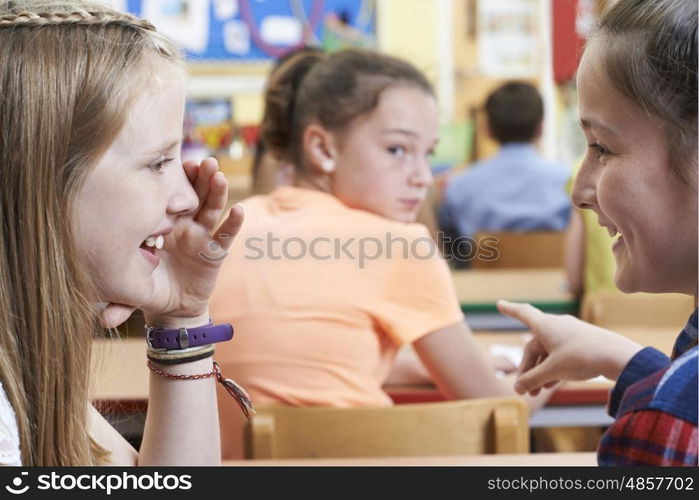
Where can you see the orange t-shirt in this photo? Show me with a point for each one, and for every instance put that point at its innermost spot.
(318, 302)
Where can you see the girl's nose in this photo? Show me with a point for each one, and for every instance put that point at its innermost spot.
(422, 177)
(184, 199)
(584, 194)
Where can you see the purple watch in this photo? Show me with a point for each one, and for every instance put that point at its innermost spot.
(183, 338)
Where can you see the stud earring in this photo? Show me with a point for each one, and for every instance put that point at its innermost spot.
(327, 165)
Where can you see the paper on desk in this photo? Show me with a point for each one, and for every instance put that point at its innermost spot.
(512, 353)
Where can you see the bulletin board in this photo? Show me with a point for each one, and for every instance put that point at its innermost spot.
(258, 30)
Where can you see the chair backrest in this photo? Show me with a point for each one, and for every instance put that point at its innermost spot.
(477, 426)
(613, 309)
(519, 249)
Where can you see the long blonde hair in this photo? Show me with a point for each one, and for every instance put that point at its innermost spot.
(69, 72)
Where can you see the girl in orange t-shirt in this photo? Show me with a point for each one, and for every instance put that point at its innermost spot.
(328, 278)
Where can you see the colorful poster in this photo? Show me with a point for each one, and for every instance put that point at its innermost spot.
(208, 124)
(249, 30)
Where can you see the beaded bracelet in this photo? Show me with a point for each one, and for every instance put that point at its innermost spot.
(238, 393)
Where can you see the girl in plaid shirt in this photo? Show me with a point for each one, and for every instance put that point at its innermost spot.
(637, 85)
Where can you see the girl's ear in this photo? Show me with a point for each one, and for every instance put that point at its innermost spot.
(320, 149)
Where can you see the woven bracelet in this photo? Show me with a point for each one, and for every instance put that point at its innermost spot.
(238, 393)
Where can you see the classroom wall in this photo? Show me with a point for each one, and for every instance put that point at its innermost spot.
(438, 36)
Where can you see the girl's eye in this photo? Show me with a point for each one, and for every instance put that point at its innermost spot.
(397, 150)
(158, 166)
(598, 149)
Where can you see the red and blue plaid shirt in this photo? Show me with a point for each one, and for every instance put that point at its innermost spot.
(654, 403)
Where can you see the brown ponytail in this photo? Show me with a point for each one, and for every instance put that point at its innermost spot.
(331, 90)
(280, 97)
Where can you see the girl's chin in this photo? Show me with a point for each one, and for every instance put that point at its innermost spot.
(628, 281)
(621, 279)
(625, 287)
(406, 217)
(115, 314)
(136, 296)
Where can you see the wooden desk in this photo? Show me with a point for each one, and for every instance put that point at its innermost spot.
(533, 459)
(479, 289)
(120, 371)
(483, 287)
(488, 285)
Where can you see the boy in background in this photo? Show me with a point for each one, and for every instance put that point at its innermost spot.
(516, 189)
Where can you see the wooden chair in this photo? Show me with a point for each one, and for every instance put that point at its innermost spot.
(519, 249)
(612, 309)
(466, 427)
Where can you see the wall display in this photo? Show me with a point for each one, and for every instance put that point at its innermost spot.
(508, 39)
(208, 127)
(258, 30)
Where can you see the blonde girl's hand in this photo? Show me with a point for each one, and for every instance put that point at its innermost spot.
(194, 252)
(565, 348)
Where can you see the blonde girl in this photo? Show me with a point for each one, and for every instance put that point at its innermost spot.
(99, 218)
